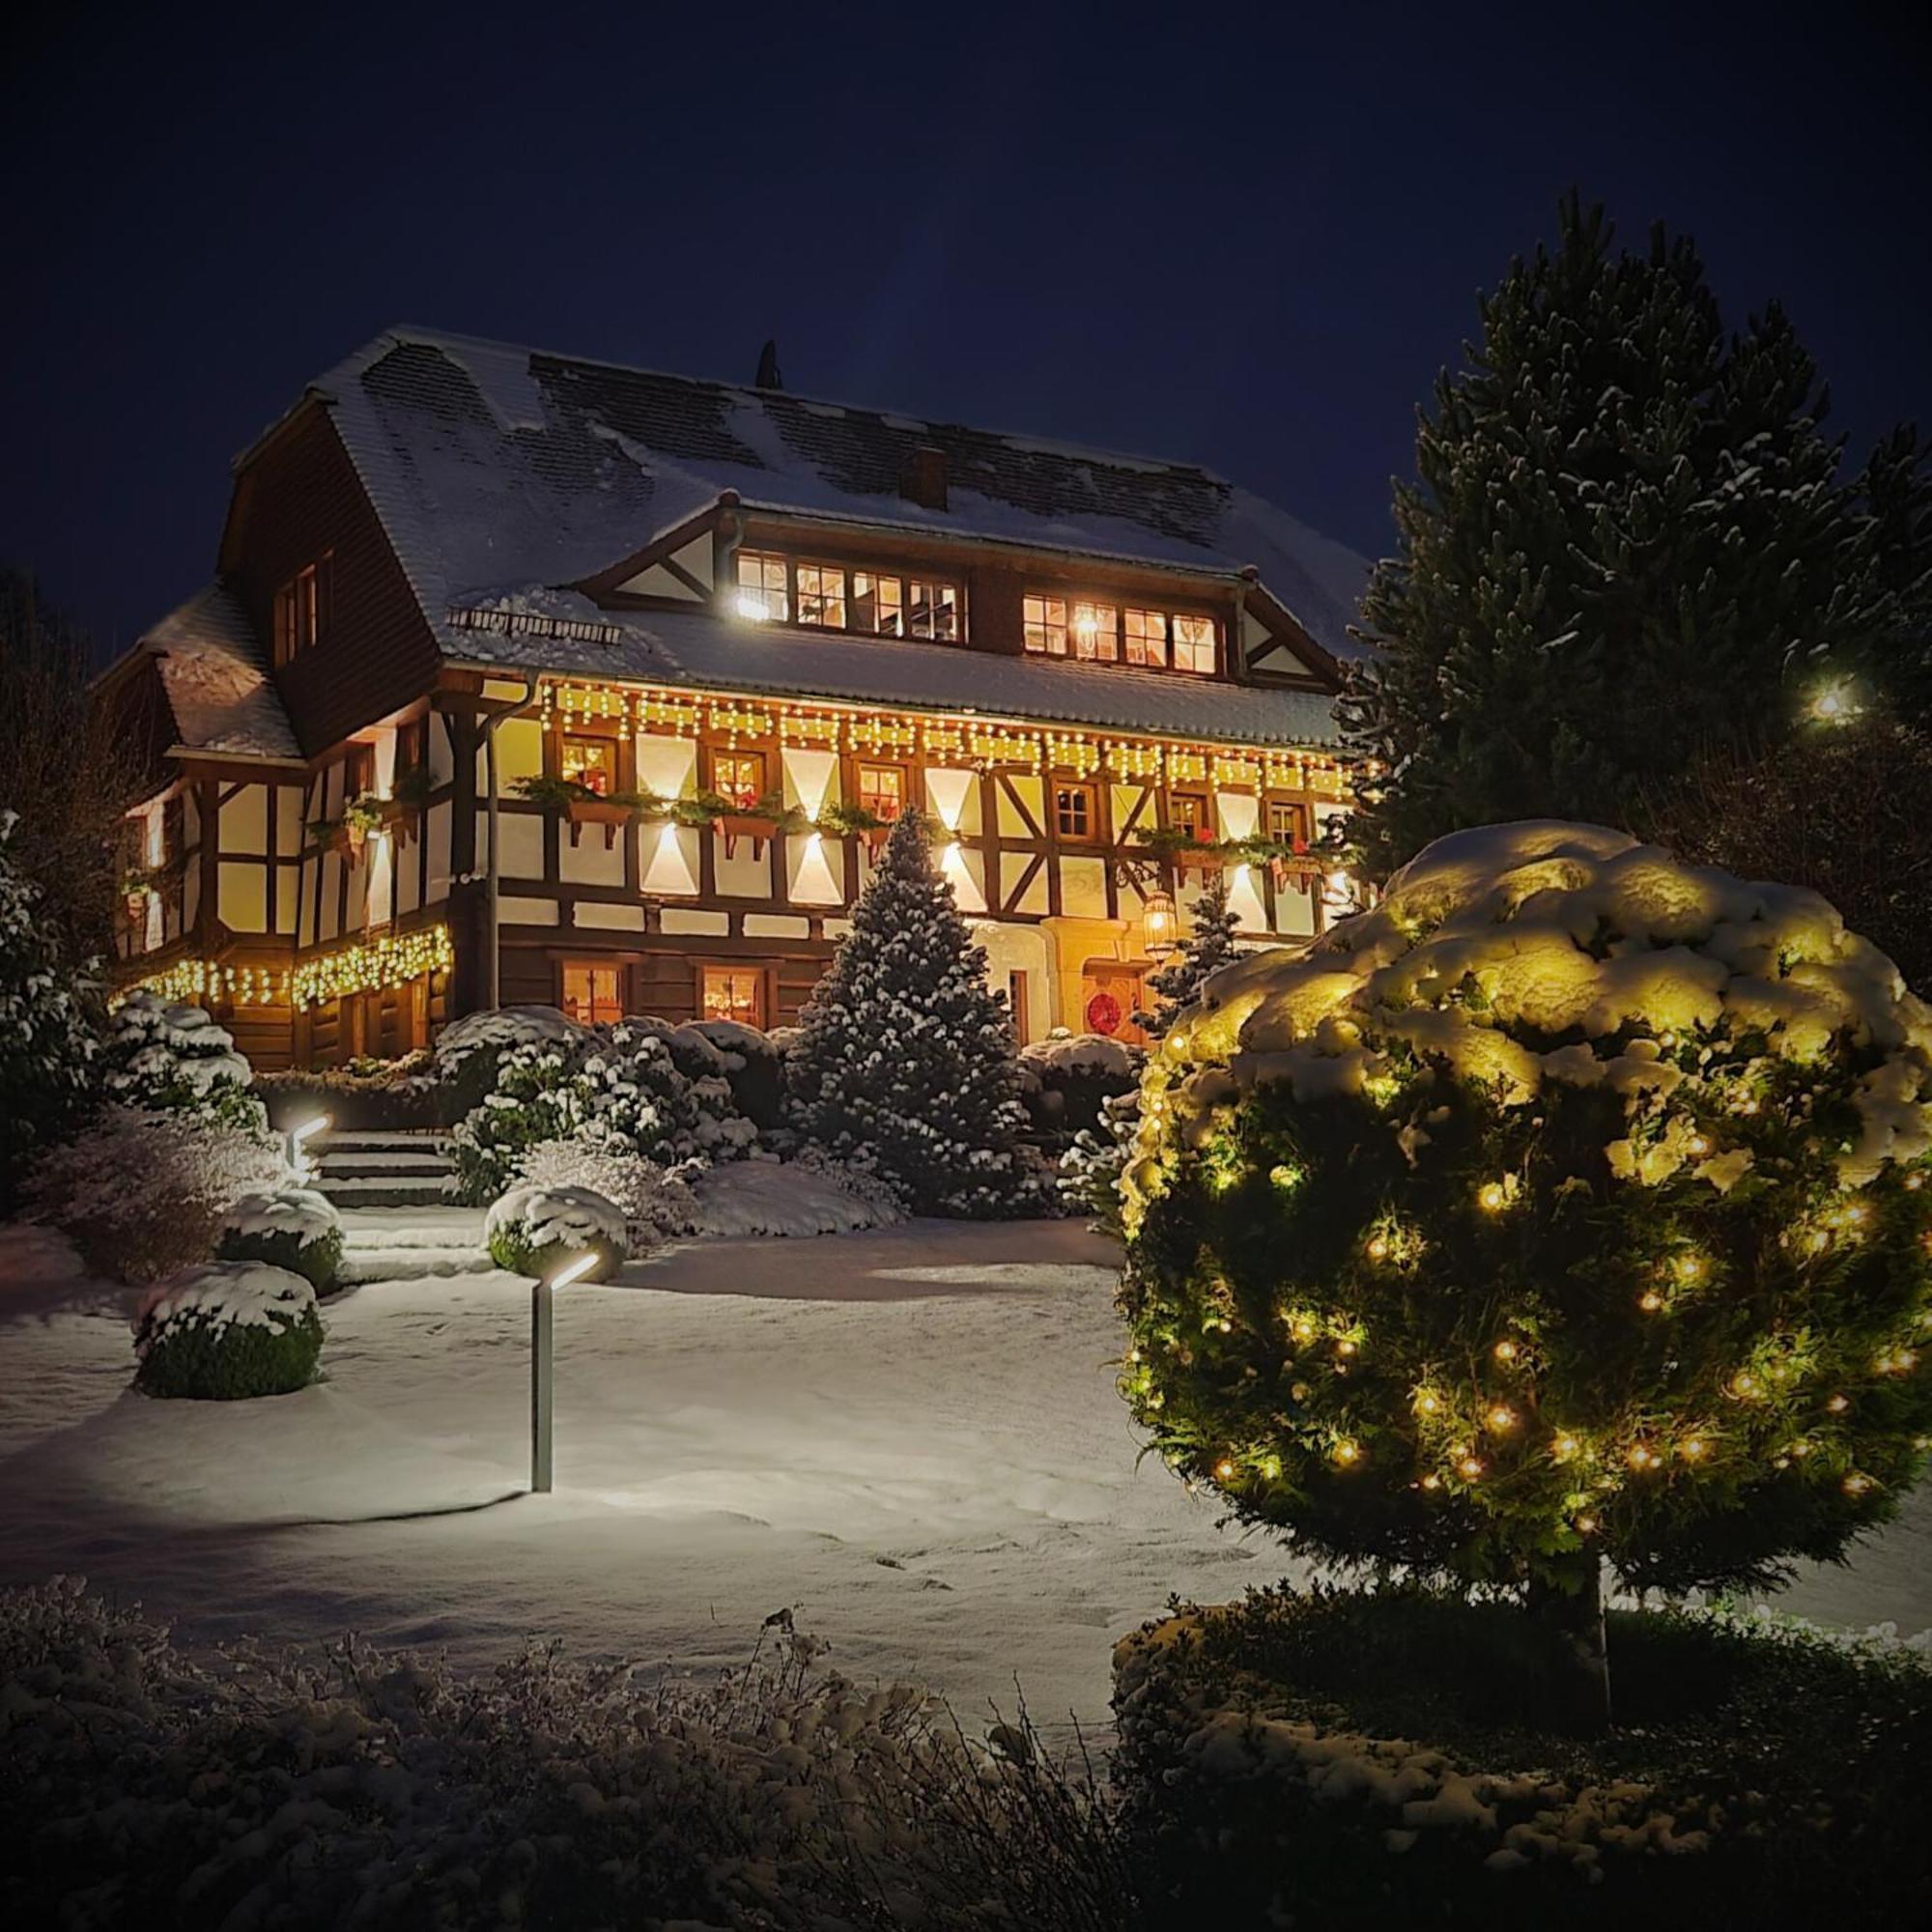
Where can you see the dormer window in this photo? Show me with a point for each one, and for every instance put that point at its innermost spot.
(1096, 633)
(837, 597)
(301, 609)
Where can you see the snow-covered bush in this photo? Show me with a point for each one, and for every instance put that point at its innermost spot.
(1341, 1777)
(619, 1089)
(1068, 1078)
(169, 1058)
(753, 1063)
(142, 1194)
(533, 1230)
(467, 1050)
(228, 1330)
(811, 1195)
(1091, 1169)
(381, 1096)
(293, 1228)
(655, 1201)
(47, 1043)
(362, 1788)
(906, 1060)
(1565, 1207)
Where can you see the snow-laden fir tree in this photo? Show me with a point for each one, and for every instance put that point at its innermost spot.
(46, 1038)
(1627, 542)
(1208, 946)
(173, 1058)
(906, 1060)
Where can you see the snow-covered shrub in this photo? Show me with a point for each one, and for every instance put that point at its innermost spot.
(293, 1228)
(619, 1089)
(379, 1095)
(1068, 1078)
(228, 1330)
(467, 1050)
(905, 1061)
(811, 1195)
(753, 1063)
(1341, 1777)
(170, 1057)
(362, 1788)
(1091, 1169)
(48, 1044)
(533, 1230)
(1565, 1207)
(142, 1194)
(654, 1201)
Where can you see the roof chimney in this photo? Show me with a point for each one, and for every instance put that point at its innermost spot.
(768, 377)
(923, 477)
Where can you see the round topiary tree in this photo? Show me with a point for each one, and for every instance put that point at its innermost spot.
(533, 1230)
(293, 1228)
(228, 1330)
(1566, 1208)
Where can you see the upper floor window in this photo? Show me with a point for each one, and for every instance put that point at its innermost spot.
(1074, 812)
(1187, 811)
(739, 776)
(1100, 633)
(301, 609)
(882, 790)
(833, 597)
(591, 762)
(1287, 822)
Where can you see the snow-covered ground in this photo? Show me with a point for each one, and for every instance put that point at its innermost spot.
(910, 1434)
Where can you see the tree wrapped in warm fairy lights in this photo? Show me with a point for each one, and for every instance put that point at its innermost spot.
(1565, 1208)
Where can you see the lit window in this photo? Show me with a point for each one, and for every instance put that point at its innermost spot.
(1074, 814)
(591, 762)
(1096, 633)
(882, 790)
(1286, 825)
(878, 604)
(821, 595)
(1046, 625)
(734, 993)
(935, 610)
(762, 591)
(1147, 637)
(1194, 645)
(590, 995)
(739, 776)
(302, 610)
(1188, 811)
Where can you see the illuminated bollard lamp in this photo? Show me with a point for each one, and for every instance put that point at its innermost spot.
(543, 1363)
(301, 1164)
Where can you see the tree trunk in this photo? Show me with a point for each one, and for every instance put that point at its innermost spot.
(1572, 1617)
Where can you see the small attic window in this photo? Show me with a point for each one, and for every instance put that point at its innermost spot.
(763, 586)
(835, 597)
(303, 608)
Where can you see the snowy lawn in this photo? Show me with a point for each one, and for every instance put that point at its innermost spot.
(910, 1434)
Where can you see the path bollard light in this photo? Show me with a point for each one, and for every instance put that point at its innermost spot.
(298, 1160)
(542, 1378)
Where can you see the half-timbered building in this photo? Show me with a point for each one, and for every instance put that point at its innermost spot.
(525, 678)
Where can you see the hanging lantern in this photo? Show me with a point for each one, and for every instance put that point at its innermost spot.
(1158, 917)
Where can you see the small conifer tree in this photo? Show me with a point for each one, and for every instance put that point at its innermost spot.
(1208, 947)
(905, 1061)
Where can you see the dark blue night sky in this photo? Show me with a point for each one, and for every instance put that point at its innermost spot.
(1248, 239)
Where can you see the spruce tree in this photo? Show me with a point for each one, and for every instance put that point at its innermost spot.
(1208, 947)
(47, 1043)
(905, 1061)
(1627, 543)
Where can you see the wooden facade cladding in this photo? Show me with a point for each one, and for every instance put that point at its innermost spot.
(300, 499)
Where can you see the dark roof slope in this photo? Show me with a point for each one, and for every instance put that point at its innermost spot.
(504, 470)
(216, 684)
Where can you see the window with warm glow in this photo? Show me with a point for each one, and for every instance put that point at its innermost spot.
(1288, 823)
(1194, 645)
(1046, 625)
(762, 589)
(734, 993)
(878, 604)
(1188, 809)
(1075, 815)
(882, 790)
(301, 609)
(591, 993)
(821, 595)
(1096, 633)
(932, 610)
(739, 776)
(591, 762)
(1147, 637)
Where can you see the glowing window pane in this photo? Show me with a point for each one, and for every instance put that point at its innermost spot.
(878, 604)
(1046, 625)
(761, 586)
(1194, 645)
(1147, 637)
(821, 596)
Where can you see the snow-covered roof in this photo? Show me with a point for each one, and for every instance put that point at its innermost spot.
(496, 465)
(218, 687)
(716, 651)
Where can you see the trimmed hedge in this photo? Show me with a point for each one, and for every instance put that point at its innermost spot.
(1354, 1758)
(293, 1228)
(533, 1229)
(228, 1331)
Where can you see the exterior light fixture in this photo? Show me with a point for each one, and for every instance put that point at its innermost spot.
(1157, 915)
(750, 604)
(1835, 704)
(543, 1376)
(298, 1160)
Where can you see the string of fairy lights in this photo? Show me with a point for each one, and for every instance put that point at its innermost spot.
(947, 740)
(376, 964)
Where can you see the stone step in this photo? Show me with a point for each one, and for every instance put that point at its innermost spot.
(386, 1191)
(344, 1165)
(410, 1263)
(425, 1140)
